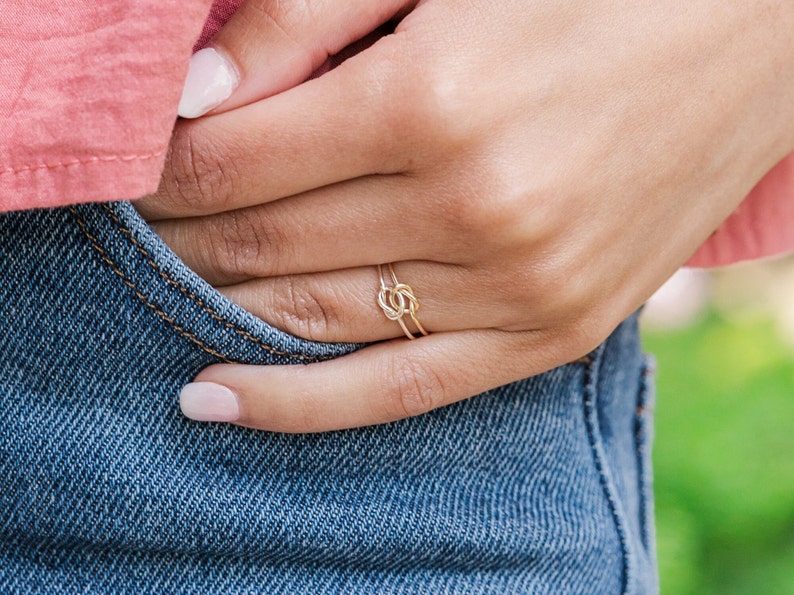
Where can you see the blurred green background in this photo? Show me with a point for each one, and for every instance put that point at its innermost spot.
(724, 449)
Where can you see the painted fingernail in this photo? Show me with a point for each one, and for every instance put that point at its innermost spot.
(207, 401)
(211, 79)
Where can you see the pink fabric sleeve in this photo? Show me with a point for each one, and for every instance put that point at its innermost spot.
(762, 226)
(88, 96)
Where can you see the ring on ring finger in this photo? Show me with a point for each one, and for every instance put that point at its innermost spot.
(396, 300)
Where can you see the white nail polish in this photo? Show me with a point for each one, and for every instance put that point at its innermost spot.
(211, 79)
(207, 401)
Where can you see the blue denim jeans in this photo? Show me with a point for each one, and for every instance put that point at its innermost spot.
(541, 486)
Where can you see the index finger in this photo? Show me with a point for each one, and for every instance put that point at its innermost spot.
(343, 125)
(272, 45)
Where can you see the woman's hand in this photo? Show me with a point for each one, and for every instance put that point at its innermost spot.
(533, 170)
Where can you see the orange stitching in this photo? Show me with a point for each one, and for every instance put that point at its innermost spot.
(142, 297)
(204, 306)
(95, 159)
(114, 267)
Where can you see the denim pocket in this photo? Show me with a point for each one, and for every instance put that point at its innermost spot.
(102, 480)
(146, 270)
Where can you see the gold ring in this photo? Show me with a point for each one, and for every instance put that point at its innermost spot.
(396, 300)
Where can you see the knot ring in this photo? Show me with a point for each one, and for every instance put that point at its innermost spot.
(396, 300)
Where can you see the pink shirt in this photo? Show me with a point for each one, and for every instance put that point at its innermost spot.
(88, 98)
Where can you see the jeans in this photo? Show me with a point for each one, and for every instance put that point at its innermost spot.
(541, 486)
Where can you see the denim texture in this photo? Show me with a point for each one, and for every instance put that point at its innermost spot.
(541, 486)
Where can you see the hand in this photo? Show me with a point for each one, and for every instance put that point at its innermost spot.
(534, 170)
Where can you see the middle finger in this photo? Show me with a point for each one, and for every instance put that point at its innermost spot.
(357, 223)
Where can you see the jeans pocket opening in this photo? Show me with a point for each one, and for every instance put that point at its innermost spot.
(190, 306)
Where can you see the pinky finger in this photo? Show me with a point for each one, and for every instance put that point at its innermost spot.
(379, 384)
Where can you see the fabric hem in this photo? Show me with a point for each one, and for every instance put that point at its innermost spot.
(81, 180)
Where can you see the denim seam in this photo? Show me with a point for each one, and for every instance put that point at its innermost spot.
(198, 301)
(181, 288)
(591, 419)
(641, 435)
(142, 297)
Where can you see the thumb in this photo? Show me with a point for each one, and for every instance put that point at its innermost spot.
(271, 45)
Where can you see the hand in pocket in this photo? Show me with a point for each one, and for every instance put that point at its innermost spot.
(533, 172)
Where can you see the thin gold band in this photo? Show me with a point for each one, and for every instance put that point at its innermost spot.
(398, 300)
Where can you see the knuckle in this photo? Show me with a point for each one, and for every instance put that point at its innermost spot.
(561, 286)
(462, 210)
(287, 17)
(494, 206)
(381, 92)
(471, 215)
(438, 110)
(416, 388)
(426, 110)
(304, 311)
(244, 246)
(569, 299)
(198, 172)
(242, 243)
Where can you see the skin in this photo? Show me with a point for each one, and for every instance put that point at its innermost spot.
(534, 170)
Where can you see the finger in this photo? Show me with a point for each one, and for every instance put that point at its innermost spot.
(363, 222)
(342, 306)
(341, 126)
(378, 384)
(272, 45)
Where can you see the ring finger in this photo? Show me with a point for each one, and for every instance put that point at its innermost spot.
(343, 305)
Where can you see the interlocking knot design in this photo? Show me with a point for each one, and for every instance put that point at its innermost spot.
(398, 300)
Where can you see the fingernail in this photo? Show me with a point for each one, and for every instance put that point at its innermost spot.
(207, 401)
(211, 79)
